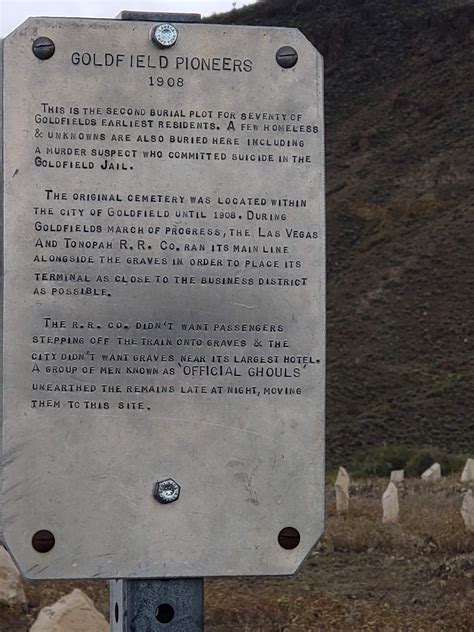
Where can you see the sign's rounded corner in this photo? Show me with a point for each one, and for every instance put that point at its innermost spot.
(17, 30)
(301, 35)
(14, 558)
(307, 552)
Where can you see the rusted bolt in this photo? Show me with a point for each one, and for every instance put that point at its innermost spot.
(43, 541)
(287, 56)
(166, 491)
(164, 35)
(289, 538)
(43, 47)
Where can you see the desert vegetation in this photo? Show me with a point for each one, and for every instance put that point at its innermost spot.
(414, 575)
(400, 293)
(417, 574)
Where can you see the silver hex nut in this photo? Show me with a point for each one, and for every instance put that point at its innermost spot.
(164, 35)
(166, 491)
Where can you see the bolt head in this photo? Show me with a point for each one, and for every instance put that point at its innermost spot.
(43, 541)
(43, 47)
(287, 56)
(164, 35)
(166, 491)
(289, 538)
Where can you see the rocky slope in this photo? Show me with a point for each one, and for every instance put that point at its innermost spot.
(399, 111)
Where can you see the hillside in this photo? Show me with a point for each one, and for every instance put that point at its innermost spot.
(399, 111)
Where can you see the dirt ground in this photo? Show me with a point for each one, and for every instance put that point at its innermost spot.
(417, 575)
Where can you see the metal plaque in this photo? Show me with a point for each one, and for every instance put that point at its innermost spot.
(164, 317)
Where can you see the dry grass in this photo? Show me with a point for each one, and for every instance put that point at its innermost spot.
(430, 519)
(417, 575)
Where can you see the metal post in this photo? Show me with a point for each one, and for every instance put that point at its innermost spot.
(140, 605)
(151, 605)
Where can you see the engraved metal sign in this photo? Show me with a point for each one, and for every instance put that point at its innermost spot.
(164, 291)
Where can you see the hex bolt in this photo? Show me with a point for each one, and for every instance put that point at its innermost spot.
(287, 56)
(166, 491)
(164, 35)
(289, 538)
(43, 47)
(43, 541)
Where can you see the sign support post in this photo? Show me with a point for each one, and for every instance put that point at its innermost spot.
(176, 605)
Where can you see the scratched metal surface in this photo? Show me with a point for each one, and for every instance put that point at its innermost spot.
(248, 465)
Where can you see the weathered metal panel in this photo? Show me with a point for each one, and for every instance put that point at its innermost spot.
(164, 300)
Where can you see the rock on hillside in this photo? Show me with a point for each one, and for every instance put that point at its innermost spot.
(73, 613)
(399, 94)
(11, 587)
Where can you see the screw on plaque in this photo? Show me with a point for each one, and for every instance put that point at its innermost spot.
(43, 47)
(166, 491)
(43, 541)
(164, 35)
(287, 56)
(289, 538)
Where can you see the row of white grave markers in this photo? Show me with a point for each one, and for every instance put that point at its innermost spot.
(390, 504)
(433, 473)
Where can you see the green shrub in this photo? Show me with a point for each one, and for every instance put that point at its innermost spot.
(381, 460)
